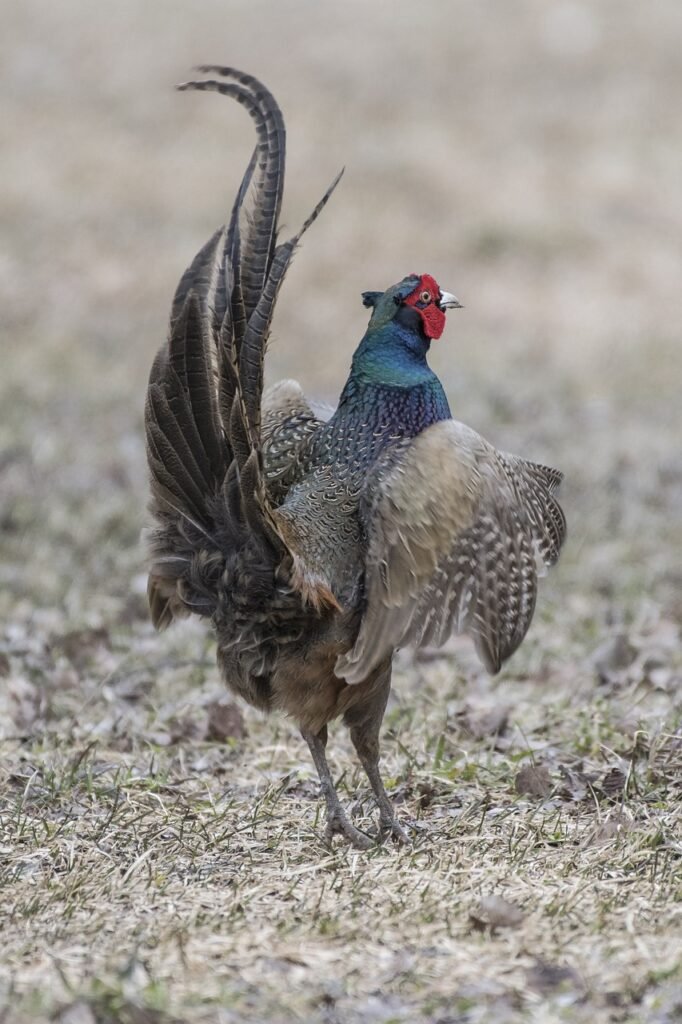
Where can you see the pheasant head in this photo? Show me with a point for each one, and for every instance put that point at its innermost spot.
(392, 354)
(416, 303)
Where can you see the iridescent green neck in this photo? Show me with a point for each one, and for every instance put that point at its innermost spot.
(391, 390)
(392, 355)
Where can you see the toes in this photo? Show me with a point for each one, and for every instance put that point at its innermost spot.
(395, 830)
(342, 827)
(399, 834)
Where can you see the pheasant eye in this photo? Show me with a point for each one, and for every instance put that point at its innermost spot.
(425, 296)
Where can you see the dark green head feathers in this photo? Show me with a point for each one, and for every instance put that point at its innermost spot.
(417, 292)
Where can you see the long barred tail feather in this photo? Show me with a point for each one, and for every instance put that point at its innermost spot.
(203, 404)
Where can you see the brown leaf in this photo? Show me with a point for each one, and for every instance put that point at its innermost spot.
(427, 791)
(545, 977)
(533, 780)
(613, 783)
(303, 789)
(81, 645)
(577, 784)
(225, 722)
(186, 726)
(495, 912)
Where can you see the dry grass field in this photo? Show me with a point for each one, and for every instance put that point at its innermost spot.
(161, 853)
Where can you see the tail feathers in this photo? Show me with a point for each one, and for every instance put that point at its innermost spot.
(183, 584)
(202, 416)
(253, 265)
(252, 356)
(268, 182)
(231, 318)
(185, 448)
(197, 277)
(187, 459)
(190, 384)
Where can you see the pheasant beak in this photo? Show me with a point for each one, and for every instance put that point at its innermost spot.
(449, 301)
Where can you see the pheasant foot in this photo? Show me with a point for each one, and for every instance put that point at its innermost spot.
(338, 824)
(392, 827)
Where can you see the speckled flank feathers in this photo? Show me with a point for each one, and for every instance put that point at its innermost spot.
(318, 546)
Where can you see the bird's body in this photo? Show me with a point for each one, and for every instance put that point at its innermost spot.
(318, 546)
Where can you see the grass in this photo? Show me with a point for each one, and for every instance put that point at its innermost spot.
(153, 874)
(161, 854)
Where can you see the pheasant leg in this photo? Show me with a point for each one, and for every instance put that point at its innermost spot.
(337, 820)
(367, 748)
(364, 725)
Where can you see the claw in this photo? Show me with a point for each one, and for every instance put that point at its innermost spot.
(395, 830)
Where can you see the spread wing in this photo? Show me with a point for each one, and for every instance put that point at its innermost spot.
(456, 533)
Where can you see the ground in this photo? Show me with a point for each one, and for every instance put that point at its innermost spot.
(161, 852)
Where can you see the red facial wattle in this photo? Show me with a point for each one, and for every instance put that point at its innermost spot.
(433, 317)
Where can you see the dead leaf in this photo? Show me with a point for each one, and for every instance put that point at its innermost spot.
(81, 645)
(187, 726)
(225, 722)
(613, 783)
(427, 791)
(495, 912)
(303, 789)
(533, 780)
(577, 784)
(545, 977)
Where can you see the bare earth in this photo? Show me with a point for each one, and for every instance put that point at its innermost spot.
(161, 855)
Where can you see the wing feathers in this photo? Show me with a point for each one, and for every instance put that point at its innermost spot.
(453, 530)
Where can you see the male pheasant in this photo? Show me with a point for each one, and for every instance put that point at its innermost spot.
(317, 548)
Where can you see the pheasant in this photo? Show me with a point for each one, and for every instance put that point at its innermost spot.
(318, 547)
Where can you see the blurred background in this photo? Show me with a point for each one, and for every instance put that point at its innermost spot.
(528, 155)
